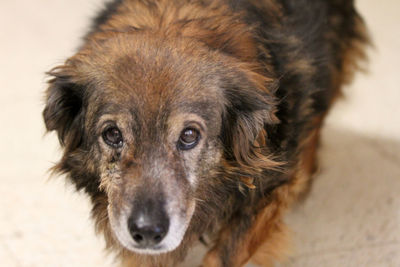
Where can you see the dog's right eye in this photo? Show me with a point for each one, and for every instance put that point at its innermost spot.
(188, 139)
(113, 137)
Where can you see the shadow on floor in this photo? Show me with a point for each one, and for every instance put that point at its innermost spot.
(352, 216)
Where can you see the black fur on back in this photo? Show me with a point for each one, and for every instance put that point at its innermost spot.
(312, 34)
(108, 10)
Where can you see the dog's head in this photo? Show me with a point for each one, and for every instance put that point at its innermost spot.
(147, 121)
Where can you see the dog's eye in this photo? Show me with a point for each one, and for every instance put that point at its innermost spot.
(113, 137)
(188, 139)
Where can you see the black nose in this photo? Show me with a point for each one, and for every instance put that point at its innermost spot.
(148, 225)
(147, 235)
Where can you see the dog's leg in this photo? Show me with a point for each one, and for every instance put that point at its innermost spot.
(276, 247)
(263, 236)
(238, 243)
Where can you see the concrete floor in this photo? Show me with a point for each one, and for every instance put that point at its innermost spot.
(352, 217)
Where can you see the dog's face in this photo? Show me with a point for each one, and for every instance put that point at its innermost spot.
(148, 121)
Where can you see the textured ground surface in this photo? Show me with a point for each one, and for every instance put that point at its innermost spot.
(352, 217)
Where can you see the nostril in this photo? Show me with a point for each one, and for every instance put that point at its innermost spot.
(157, 238)
(136, 232)
(137, 237)
(158, 234)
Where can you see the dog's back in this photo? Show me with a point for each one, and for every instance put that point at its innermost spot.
(314, 47)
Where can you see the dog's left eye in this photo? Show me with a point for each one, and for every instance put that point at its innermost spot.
(113, 137)
(188, 139)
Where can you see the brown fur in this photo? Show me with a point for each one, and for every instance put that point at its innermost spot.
(253, 88)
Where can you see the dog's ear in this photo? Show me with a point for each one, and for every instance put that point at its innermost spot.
(250, 107)
(64, 111)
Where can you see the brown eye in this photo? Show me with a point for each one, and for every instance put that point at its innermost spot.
(188, 139)
(113, 137)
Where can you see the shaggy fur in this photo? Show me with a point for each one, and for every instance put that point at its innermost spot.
(256, 78)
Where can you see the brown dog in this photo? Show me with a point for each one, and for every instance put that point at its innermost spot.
(193, 119)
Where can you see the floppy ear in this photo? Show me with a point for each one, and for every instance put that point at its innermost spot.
(249, 109)
(64, 111)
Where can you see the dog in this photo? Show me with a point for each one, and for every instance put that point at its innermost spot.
(191, 121)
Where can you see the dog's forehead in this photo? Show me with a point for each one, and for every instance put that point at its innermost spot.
(154, 81)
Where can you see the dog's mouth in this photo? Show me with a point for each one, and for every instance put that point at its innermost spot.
(151, 250)
(150, 235)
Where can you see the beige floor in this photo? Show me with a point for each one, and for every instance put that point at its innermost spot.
(352, 217)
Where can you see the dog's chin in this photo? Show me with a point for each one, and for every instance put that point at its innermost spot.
(172, 240)
(149, 251)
